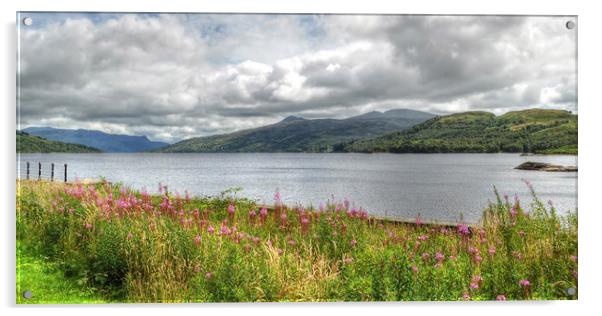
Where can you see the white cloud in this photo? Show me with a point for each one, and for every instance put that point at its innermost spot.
(177, 76)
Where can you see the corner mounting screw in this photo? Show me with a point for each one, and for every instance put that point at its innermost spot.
(27, 294)
(27, 21)
(570, 25)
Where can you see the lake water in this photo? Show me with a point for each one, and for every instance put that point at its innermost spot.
(444, 187)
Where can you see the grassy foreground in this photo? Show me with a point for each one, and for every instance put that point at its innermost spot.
(120, 245)
(47, 282)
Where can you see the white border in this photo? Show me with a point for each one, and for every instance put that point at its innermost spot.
(590, 115)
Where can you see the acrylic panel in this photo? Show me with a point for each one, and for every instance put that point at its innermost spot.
(194, 157)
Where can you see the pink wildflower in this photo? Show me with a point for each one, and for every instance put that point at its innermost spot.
(473, 250)
(524, 283)
(463, 229)
(208, 275)
(353, 242)
(197, 240)
(513, 211)
(423, 237)
(466, 297)
(415, 269)
(501, 297)
(283, 219)
(439, 256)
(88, 226)
(210, 229)
(418, 221)
(492, 251)
(224, 230)
(474, 285)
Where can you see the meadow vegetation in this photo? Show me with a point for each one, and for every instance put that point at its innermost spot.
(133, 246)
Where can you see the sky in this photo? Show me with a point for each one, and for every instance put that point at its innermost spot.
(176, 76)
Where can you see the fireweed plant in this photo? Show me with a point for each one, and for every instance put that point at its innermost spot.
(132, 246)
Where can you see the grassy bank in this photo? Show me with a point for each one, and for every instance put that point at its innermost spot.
(131, 246)
(47, 282)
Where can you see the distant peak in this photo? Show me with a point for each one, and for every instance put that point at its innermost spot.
(292, 118)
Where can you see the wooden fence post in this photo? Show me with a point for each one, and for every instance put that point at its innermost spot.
(27, 176)
(39, 171)
(52, 171)
(65, 172)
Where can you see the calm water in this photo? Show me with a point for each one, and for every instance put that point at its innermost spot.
(445, 187)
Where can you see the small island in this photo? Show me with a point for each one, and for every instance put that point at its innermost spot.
(542, 166)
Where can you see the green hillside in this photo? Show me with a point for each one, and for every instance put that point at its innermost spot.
(533, 130)
(295, 134)
(27, 143)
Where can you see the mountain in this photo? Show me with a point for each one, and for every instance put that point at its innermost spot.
(533, 130)
(101, 140)
(34, 144)
(296, 134)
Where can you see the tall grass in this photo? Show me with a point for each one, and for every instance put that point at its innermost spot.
(136, 247)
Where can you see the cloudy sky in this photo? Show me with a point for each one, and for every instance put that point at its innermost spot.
(176, 76)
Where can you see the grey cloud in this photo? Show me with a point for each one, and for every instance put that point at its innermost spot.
(177, 76)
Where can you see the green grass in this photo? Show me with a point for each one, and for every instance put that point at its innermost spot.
(129, 246)
(47, 282)
(564, 150)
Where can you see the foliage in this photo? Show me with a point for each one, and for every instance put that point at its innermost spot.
(136, 247)
(534, 130)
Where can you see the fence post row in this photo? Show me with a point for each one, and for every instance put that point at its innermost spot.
(27, 173)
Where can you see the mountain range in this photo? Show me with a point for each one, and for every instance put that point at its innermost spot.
(34, 144)
(297, 134)
(394, 131)
(103, 141)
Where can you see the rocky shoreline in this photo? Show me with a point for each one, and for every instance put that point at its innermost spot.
(542, 166)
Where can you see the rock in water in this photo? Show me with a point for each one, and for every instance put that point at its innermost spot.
(542, 166)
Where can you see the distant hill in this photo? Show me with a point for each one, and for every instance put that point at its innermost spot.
(296, 134)
(533, 130)
(97, 139)
(34, 144)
